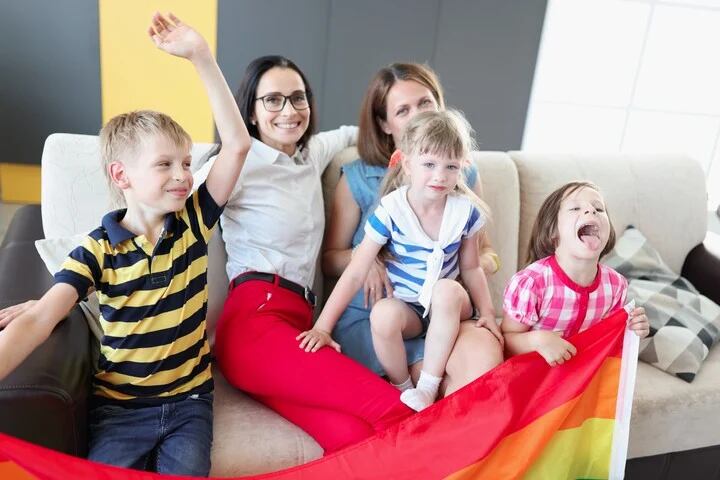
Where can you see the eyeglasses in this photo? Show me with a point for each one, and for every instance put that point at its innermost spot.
(276, 102)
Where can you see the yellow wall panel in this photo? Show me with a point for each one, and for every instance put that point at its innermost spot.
(19, 183)
(136, 75)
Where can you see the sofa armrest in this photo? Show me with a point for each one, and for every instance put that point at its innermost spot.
(702, 268)
(44, 400)
(25, 226)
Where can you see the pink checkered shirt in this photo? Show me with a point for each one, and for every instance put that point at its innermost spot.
(545, 298)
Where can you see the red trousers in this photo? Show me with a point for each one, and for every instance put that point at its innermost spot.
(330, 396)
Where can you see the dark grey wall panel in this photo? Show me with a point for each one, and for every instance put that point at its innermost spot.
(251, 28)
(50, 74)
(485, 54)
(365, 36)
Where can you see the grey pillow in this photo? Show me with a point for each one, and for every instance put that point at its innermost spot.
(684, 324)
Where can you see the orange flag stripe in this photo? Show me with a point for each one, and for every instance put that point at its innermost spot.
(519, 450)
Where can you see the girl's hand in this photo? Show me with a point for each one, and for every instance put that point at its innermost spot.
(488, 321)
(176, 38)
(553, 348)
(314, 339)
(9, 314)
(377, 284)
(638, 322)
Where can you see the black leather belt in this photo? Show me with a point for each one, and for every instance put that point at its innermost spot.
(304, 292)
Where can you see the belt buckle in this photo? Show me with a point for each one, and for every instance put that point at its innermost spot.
(309, 296)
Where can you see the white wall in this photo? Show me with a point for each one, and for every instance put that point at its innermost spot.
(629, 76)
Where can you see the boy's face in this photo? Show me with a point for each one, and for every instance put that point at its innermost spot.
(158, 176)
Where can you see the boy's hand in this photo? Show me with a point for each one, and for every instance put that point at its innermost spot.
(314, 339)
(638, 322)
(488, 321)
(177, 38)
(8, 314)
(553, 348)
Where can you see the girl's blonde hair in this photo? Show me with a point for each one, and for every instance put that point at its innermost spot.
(445, 133)
(544, 236)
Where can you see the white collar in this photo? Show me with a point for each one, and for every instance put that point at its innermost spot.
(271, 155)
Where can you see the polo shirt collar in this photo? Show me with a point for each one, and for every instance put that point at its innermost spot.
(118, 234)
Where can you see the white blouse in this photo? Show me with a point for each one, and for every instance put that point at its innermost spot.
(275, 218)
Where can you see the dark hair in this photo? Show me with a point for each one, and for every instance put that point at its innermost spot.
(247, 93)
(374, 145)
(543, 239)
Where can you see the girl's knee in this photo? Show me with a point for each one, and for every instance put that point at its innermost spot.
(448, 292)
(386, 318)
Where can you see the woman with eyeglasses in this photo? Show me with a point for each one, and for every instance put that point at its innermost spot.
(395, 94)
(272, 227)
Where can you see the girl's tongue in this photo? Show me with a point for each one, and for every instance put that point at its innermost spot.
(588, 234)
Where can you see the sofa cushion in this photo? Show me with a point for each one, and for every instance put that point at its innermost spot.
(670, 415)
(684, 324)
(662, 195)
(249, 438)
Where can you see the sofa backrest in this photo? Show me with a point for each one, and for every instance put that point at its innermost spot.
(664, 196)
(74, 192)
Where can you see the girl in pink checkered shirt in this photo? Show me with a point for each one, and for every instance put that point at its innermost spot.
(565, 290)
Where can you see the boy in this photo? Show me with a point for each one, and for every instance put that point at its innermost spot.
(152, 395)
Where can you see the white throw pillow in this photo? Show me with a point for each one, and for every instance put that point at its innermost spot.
(53, 252)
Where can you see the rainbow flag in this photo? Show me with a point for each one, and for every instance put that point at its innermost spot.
(523, 419)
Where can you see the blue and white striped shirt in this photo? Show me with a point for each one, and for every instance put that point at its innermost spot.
(417, 260)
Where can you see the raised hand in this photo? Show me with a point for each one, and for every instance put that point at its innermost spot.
(177, 38)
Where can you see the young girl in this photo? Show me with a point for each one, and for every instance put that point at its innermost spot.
(429, 223)
(565, 290)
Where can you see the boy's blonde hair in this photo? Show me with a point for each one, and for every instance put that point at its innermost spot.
(445, 133)
(121, 137)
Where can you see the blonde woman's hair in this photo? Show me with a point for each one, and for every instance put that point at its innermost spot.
(445, 133)
(123, 135)
(544, 236)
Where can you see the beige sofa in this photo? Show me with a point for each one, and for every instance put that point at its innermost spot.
(662, 195)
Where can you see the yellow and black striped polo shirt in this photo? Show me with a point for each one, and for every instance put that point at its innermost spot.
(153, 301)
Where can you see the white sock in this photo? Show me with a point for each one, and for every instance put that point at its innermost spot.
(424, 394)
(406, 385)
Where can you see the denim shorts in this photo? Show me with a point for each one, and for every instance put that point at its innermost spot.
(173, 438)
(352, 332)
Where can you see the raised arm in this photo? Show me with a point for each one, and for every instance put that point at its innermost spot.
(179, 39)
(33, 326)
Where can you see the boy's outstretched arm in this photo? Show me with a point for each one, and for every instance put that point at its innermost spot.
(33, 326)
(179, 39)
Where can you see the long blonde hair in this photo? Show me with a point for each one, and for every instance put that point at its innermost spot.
(446, 133)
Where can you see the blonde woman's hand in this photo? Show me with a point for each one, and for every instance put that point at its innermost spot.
(377, 284)
(488, 321)
(9, 314)
(314, 339)
(553, 348)
(177, 38)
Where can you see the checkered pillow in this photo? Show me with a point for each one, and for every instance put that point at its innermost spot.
(683, 323)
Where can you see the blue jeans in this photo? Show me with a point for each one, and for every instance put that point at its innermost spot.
(173, 438)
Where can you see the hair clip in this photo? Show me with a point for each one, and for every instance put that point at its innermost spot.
(395, 159)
